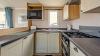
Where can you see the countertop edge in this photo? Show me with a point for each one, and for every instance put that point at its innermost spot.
(19, 37)
(85, 52)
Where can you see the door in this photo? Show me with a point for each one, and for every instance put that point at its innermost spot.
(13, 49)
(28, 45)
(53, 43)
(41, 42)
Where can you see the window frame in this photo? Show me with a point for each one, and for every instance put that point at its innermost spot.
(51, 24)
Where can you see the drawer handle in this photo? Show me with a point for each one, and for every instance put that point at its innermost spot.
(75, 49)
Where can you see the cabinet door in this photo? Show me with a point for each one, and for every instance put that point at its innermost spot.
(28, 45)
(72, 50)
(65, 12)
(74, 12)
(53, 43)
(41, 42)
(13, 49)
(75, 51)
(80, 53)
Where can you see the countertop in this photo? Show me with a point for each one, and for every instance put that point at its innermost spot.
(55, 30)
(89, 46)
(6, 39)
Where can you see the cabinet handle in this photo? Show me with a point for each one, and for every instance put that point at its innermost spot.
(25, 37)
(75, 49)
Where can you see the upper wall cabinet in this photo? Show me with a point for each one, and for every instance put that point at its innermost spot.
(87, 5)
(34, 11)
(71, 12)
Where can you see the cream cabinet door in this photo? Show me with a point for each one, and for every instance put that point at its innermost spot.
(53, 43)
(72, 50)
(28, 45)
(75, 51)
(41, 42)
(13, 49)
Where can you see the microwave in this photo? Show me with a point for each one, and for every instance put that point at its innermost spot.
(34, 14)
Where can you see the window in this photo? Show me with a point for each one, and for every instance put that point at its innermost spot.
(53, 18)
(2, 20)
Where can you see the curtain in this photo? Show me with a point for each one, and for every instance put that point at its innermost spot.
(9, 16)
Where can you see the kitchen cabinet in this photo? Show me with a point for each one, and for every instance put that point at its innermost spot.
(71, 12)
(53, 43)
(12, 49)
(75, 51)
(47, 42)
(28, 45)
(21, 47)
(41, 42)
(34, 11)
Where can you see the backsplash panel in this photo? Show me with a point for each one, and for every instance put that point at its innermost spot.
(45, 22)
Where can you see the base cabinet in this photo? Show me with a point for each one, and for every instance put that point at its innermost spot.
(22, 47)
(41, 42)
(53, 43)
(75, 51)
(47, 42)
(13, 49)
(28, 45)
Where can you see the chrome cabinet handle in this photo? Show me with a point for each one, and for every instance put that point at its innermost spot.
(75, 49)
(25, 37)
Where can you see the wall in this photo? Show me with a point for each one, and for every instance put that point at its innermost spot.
(89, 19)
(16, 14)
(45, 22)
(12, 30)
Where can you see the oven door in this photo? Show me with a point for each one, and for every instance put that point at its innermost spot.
(65, 45)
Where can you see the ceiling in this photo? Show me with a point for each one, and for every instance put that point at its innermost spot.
(23, 3)
(55, 3)
(15, 3)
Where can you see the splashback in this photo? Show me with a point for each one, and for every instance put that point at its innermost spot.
(89, 28)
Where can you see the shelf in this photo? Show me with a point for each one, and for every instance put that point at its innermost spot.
(34, 4)
(35, 10)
